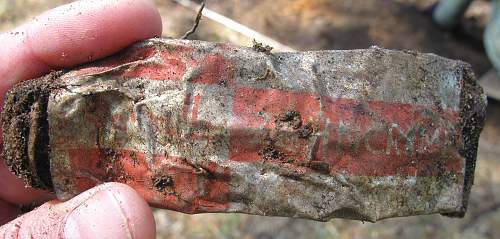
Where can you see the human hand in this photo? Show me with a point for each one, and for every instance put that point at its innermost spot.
(63, 37)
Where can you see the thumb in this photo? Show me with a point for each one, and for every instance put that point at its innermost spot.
(111, 210)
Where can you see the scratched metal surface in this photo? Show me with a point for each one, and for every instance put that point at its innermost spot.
(199, 127)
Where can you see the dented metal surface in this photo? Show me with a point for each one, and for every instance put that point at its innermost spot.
(208, 127)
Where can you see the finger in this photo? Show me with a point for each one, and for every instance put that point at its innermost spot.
(62, 37)
(75, 33)
(110, 210)
(14, 191)
(7, 212)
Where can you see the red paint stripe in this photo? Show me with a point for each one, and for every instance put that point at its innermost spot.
(196, 103)
(126, 56)
(185, 188)
(215, 70)
(171, 69)
(185, 106)
(365, 138)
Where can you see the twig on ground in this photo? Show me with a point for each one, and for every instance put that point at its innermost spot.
(196, 22)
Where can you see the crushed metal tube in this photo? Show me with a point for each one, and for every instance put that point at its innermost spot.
(209, 127)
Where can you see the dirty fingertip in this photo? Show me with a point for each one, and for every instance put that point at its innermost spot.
(114, 211)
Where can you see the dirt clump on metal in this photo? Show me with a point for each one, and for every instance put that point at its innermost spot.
(162, 182)
(26, 150)
(259, 47)
(269, 151)
(289, 118)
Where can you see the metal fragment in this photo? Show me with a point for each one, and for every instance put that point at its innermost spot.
(209, 127)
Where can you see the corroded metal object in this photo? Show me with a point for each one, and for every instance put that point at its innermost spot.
(208, 127)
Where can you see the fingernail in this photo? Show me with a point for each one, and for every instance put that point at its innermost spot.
(113, 212)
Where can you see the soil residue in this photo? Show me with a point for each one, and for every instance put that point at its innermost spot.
(290, 121)
(162, 182)
(319, 166)
(259, 47)
(25, 130)
(305, 131)
(268, 75)
(290, 118)
(472, 115)
(269, 151)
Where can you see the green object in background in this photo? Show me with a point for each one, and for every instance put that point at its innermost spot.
(492, 37)
(448, 13)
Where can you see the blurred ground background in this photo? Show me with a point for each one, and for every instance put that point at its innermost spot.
(334, 24)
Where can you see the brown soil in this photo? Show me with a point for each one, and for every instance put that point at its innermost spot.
(25, 131)
(259, 47)
(342, 24)
(269, 151)
(319, 166)
(289, 118)
(472, 115)
(162, 182)
(305, 131)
